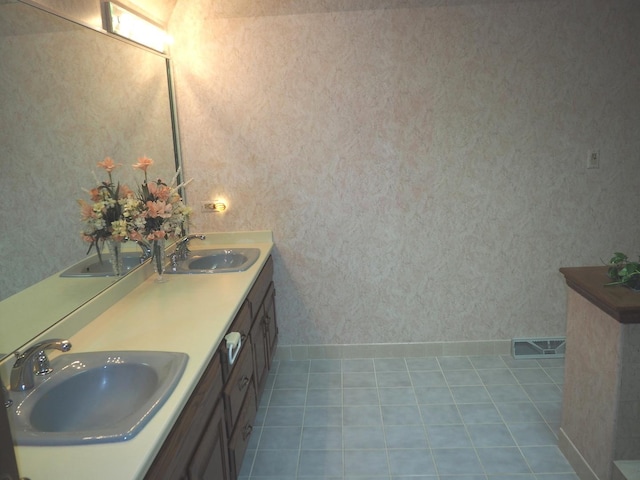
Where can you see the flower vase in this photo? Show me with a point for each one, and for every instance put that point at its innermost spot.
(116, 259)
(158, 256)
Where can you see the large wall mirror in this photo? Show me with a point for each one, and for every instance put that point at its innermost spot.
(70, 97)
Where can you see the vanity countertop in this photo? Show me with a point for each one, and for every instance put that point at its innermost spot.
(188, 313)
(619, 302)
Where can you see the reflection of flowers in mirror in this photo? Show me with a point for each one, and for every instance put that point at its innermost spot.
(103, 217)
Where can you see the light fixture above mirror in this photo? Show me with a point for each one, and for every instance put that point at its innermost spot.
(135, 27)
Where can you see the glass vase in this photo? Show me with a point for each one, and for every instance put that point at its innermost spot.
(116, 259)
(158, 259)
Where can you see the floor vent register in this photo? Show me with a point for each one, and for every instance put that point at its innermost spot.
(538, 347)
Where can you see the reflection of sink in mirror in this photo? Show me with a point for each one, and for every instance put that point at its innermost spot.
(218, 260)
(95, 397)
(92, 267)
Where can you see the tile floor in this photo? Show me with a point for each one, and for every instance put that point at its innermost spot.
(447, 418)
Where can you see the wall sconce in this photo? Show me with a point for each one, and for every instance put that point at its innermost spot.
(216, 206)
(134, 27)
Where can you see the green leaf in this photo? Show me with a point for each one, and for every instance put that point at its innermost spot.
(618, 257)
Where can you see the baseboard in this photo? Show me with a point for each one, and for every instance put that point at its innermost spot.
(575, 458)
(393, 350)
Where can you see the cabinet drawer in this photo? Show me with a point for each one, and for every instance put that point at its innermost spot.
(242, 325)
(238, 385)
(242, 432)
(259, 289)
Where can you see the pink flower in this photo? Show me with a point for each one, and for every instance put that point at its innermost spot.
(158, 209)
(95, 194)
(160, 191)
(156, 235)
(125, 191)
(108, 164)
(143, 164)
(135, 235)
(86, 210)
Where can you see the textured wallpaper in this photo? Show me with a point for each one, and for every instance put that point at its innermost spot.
(423, 169)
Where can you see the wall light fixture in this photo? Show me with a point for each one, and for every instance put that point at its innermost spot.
(215, 206)
(132, 26)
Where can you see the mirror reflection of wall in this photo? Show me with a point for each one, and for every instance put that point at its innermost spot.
(70, 97)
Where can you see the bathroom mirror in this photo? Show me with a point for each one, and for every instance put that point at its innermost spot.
(70, 97)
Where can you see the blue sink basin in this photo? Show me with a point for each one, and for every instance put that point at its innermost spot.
(95, 397)
(217, 260)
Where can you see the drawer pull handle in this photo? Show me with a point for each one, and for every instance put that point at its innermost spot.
(246, 431)
(243, 382)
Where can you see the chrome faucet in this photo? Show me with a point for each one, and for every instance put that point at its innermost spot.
(182, 248)
(34, 361)
(146, 250)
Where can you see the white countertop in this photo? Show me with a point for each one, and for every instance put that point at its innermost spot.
(188, 313)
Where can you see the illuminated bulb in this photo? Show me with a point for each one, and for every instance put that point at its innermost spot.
(215, 206)
(135, 28)
(219, 206)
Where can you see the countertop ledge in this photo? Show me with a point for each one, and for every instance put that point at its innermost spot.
(621, 303)
(188, 313)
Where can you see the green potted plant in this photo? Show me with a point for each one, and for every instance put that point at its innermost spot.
(624, 272)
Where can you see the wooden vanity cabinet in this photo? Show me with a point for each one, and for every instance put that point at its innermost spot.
(197, 446)
(239, 439)
(264, 330)
(210, 438)
(238, 386)
(260, 355)
(242, 325)
(211, 460)
(270, 324)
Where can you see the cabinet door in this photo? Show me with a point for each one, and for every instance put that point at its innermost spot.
(211, 460)
(173, 460)
(242, 433)
(270, 323)
(259, 343)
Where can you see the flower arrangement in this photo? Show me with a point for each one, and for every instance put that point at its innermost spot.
(103, 218)
(156, 212)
